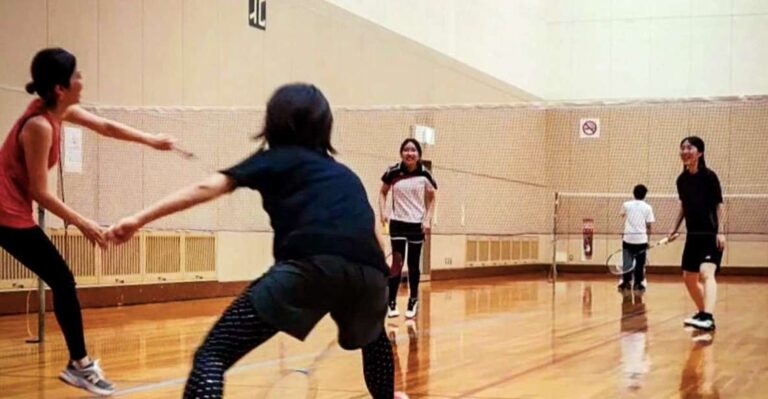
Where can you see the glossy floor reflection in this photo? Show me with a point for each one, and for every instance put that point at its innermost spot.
(516, 337)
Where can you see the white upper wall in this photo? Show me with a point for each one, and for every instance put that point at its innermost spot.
(580, 49)
(503, 38)
(657, 48)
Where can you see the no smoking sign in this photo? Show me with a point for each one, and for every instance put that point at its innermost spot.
(589, 128)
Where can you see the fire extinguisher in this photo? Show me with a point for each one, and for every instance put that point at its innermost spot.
(588, 232)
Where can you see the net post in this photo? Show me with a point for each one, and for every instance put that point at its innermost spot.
(41, 289)
(553, 270)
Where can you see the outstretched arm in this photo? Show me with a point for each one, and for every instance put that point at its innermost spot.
(117, 130)
(206, 190)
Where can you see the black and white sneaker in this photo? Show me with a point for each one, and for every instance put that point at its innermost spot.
(639, 287)
(413, 304)
(690, 320)
(91, 378)
(693, 319)
(392, 310)
(705, 322)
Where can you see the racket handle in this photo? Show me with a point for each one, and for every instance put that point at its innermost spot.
(665, 240)
(184, 153)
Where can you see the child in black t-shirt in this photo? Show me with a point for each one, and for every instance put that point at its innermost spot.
(327, 251)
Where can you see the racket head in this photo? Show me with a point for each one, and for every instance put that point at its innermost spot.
(299, 382)
(615, 263)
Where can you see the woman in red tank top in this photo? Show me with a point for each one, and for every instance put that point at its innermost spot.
(29, 151)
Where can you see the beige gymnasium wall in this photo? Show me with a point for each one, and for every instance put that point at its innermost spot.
(204, 53)
(482, 162)
(493, 197)
(198, 53)
(497, 167)
(639, 144)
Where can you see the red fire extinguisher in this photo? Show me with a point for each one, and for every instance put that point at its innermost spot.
(588, 232)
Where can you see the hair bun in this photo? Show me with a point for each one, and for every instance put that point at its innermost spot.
(31, 88)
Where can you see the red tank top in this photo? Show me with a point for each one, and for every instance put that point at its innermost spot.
(15, 198)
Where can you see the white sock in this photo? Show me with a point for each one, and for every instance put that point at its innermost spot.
(82, 363)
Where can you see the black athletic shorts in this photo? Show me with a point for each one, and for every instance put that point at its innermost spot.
(701, 249)
(294, 295)
(412, 232)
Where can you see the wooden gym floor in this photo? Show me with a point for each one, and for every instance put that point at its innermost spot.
(514, 337)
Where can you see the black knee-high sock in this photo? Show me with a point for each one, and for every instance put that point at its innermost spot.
(396, 269)
(414, 274)
(394, 285)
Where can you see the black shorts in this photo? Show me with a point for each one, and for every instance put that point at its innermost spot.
(411, 232)
(701, 249)
(293, 296)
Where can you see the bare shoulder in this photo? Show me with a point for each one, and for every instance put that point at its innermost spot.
(36, 128)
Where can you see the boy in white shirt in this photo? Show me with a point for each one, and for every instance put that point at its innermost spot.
(638, 217)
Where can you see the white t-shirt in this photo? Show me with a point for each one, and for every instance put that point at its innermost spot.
(636, 214)
(408, 190)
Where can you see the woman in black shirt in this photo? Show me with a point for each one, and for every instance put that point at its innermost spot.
(701, 205)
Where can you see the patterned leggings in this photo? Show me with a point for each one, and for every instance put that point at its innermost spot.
(240, 330)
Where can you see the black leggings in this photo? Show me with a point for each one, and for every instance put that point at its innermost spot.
(414, 274)
(37, 253)
(240, 330)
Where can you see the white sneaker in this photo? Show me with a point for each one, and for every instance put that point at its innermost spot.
(690, 321)
(707, 324)
(392, 311)
(90, 378)
(413, 304)
(401, 395)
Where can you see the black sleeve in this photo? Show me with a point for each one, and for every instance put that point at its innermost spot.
(389, 175)
(431, 179)
(253, 171)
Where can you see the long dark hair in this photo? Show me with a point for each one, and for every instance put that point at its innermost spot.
(298, 114)
(697, 142)
(51, 67)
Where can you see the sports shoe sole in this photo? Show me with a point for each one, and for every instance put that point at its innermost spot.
(703, 328)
